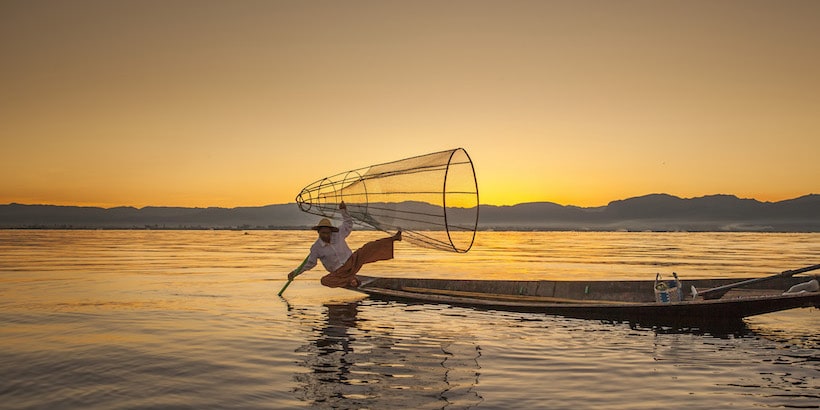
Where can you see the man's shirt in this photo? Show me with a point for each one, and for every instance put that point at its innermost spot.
(334, 254)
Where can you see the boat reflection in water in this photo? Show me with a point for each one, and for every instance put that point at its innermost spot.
(358, 362)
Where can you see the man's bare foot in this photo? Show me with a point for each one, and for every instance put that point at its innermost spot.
(397, 236)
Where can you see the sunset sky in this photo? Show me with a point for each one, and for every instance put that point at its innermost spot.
(243, 103)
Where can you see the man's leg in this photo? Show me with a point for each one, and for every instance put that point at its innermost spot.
(345, 276)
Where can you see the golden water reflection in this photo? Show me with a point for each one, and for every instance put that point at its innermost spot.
(191, 319)
(587, 255)
(356, 362)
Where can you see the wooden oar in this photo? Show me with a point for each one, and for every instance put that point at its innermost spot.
(718, 292)
(291, 280)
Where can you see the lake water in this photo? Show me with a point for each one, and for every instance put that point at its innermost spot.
(190, 319)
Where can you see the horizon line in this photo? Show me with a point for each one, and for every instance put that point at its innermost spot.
(480, 204)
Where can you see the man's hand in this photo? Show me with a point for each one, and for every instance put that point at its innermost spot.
(342, 205)
(292, 275)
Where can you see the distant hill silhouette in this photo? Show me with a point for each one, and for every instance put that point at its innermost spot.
(50, 216)
(662, 212)
(656, 212)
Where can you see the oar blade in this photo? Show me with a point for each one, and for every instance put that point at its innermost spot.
(284, 287)
(718, 292)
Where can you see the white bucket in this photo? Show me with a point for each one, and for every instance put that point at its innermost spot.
(667, 291)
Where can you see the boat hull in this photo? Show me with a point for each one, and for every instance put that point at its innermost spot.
(631, 301)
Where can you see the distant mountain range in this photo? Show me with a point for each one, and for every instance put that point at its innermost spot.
(656, 212)
(661, 212)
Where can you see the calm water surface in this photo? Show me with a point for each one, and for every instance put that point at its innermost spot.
(190, 319)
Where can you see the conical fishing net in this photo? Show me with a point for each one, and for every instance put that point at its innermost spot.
(432, 198)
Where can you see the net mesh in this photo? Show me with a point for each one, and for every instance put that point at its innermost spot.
(432, 198)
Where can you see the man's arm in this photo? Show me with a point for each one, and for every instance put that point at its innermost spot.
(347, 221)
(308, 264)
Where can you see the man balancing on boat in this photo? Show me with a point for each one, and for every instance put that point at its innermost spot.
(336, 256)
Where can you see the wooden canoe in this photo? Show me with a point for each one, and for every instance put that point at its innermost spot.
(632, 301)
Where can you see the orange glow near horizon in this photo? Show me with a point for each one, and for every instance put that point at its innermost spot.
(245, 104)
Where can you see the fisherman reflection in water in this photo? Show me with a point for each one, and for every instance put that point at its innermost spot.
(336, 256)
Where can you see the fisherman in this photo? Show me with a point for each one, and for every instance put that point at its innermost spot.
(336, 256)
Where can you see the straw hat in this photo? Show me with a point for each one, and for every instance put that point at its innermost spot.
(325, 223)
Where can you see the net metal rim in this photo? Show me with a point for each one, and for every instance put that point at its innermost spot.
(444, 200)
